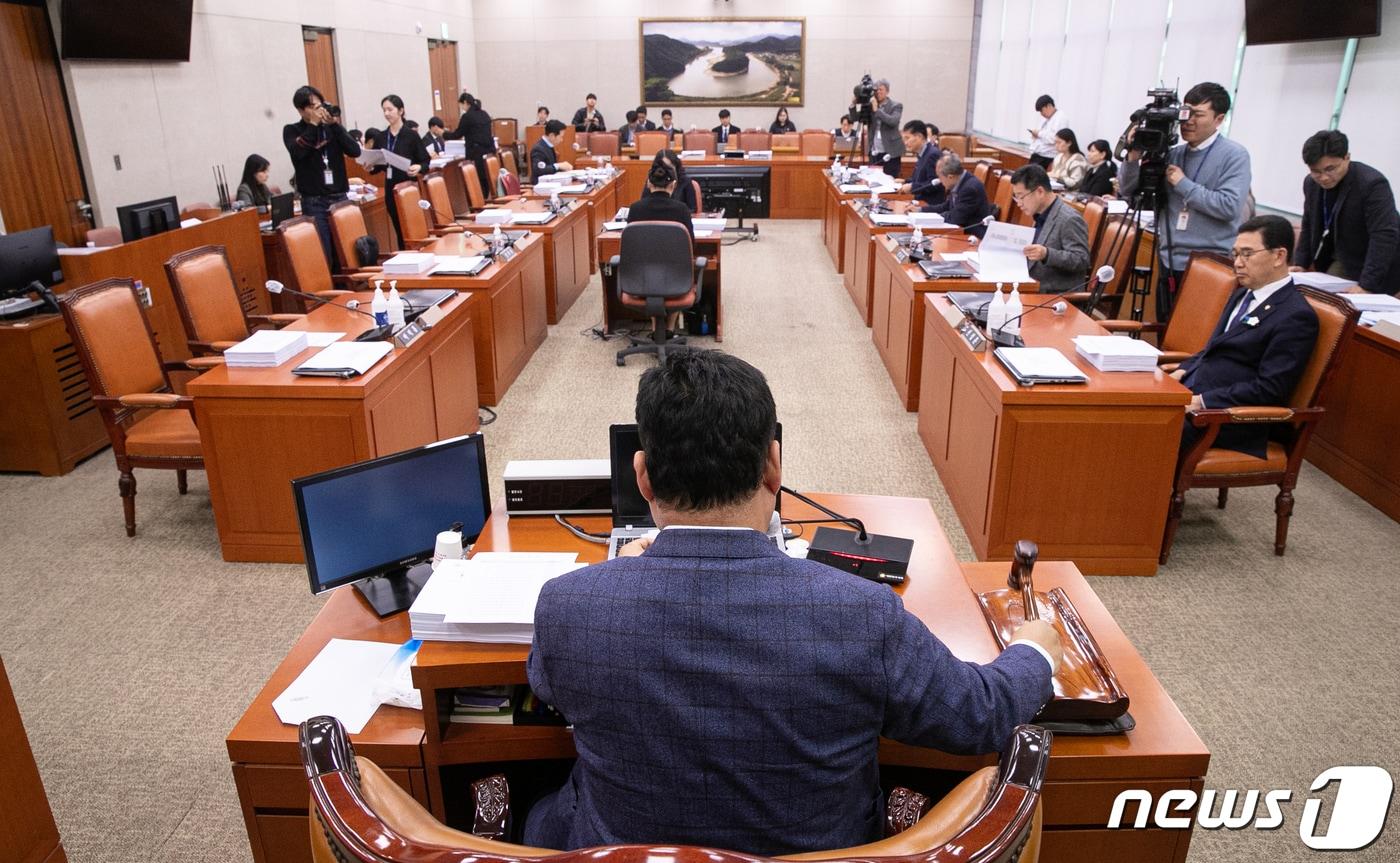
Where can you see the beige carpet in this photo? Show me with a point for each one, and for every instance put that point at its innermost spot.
(131, 659)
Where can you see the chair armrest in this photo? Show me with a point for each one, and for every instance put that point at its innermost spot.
(372, 268)
(362, 278)
(447, 229)
(200, 364)
(1176, 357)
(279, 319)
(1168, 367)
(1117, 326)
(331, 294)
(156, 400)
(1252, 414)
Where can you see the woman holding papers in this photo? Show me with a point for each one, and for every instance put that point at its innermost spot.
(401, 141)
(474, 130)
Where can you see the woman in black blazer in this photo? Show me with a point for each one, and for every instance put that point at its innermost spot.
(684, 191)
(474, 129)
(781, 123)
(400, 139)
(1098, 180)
(657, 203)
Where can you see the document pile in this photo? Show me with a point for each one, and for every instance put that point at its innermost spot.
(344, 359)
(1117, 353)
(1374, 307)
(349, 680)
(706, 223)
(458, 265)
(456, 148)
(493, 216)
(531, 217)
(1324, 282)
(489, 597)
(409, 264)
(1031, 366)
(265, 349)
(886, 220)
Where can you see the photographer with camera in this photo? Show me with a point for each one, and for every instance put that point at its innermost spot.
(1206, 180)
(881, 115)
(318, 146)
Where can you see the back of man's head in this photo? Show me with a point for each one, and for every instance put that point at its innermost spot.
(950, 165)
(706, 422)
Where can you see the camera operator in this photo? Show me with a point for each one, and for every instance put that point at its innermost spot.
(886, 146)
(1350, 228)
(318, 146)
(1208, 181)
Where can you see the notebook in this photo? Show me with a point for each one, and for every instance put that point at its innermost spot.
(344, 359)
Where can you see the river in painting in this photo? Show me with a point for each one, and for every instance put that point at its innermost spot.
(699, 82)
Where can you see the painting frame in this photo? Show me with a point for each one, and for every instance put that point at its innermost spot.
(655, 93)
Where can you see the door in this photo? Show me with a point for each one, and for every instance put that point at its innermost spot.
(41, 182)
(442, 69)
(320, 62)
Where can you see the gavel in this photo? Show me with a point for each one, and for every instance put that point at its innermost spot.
(1022, 562)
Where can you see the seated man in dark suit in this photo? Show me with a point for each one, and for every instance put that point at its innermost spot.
(1350, 227)
(643, 124)
(924, 185)
(966, 204)
(1262, 342)
(543, 160)
(724, 129)
(724, 694)
(627, 135)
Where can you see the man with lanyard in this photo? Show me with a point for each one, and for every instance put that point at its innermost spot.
(318, 146)
(1208, 181)
(1350, 227)
(1043, 136)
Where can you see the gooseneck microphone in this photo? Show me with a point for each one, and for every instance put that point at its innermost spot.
(378, 333)
(1059, 307)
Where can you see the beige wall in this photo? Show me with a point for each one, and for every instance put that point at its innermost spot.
(171, 122)
(555, 51)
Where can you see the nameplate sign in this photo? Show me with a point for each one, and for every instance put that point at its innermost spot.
(967, 329)
(408, 334)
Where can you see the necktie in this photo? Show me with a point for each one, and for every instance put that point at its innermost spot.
(1243, 310)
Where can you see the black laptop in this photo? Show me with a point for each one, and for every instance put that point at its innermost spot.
(281, 208)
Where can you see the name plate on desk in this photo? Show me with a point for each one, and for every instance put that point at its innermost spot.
(969, 331)
(506, 254)
(408, 333)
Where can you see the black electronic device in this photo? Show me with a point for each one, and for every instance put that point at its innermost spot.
(558, 487)
(740, 190)
(148, 218)
(869, 555)
(28, 265)
(1268, 22)
(374, 523)
(282, 208)
(1154, 132)
(126, 29)
(945, 269)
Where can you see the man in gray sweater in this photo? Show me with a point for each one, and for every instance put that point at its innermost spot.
(1207, 180)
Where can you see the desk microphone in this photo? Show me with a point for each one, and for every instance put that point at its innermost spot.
(373, 335)
(879, 558)
(1058, 306)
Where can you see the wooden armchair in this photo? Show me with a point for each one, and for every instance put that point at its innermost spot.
(650, 143)
(818, 143)
(206, 294)
(471, 178)
(699, 141)
(149, 424)
(1116, 247)
(360, 815)
(1205, 466)
(508, 161)
(747, 141)
(347, 227)
(787, 142)
(306, 261)
(1206, 286)
(414, 226)
(602, 144)
(441, 213)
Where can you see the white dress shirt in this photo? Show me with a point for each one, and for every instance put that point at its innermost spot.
(1044, 144)
(1255, 299)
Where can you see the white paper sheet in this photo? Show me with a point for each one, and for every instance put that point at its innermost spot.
(369, 158)
(349, 355)
(342, 681)
(1001, 255)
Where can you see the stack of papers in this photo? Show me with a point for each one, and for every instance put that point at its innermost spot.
(1117, 353)
(349, 680)
(888, 219)
(456, 148)
(1385, 323)
(926, 220)
(543, 188)
(854, 188)
(409, 264)
(458, 265)
(1324, 282)
(488, 598)
(705, 223)
(1373, 302)
(614, 226)
(494, 216)
(344, 359)
(265, 349)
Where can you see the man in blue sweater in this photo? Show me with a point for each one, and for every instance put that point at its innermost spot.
(724, 694)
(1208, 181)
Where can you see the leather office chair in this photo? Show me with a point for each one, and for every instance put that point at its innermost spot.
(413, 219)
(787, 142)
(699, 197)
(508, 162)
(508, 185)
(1206, 286)
(435, 187)
(582, 142)
(347, 226)
(101, 237)
(206, 293)
(360, 815)
(650, 143)
(956, 143)
(818, 143)
(657, 273)
(753, 141)
(604, 144)
(476, 197)
(493, 170)
(1117, 247)
(307, 269)
(1001, 198)
(506, 130)
(1094, 211)
(699, 141)
(994, 180)
(150, 426)
(1291, 427)
(982, 171)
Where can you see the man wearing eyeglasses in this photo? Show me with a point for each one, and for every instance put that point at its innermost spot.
(1208, 181)
(1059, 251)
(1350, 227)
(1261, 343)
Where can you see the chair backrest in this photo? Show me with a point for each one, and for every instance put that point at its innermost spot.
(532, 134)
(993, 182)
(787, 142)
(982, 171)
(1094, 211)
(957, 143)
(699, 141)
(509, 185)
(413, 220)
(206, 294)
(657, 260)
(650, 143)
(113, 339)
(306, 259)
(604, 144)
(508, 161)
(818, 144)
(493, 166)
(584, 141)
(699, 197)
(1118, 249)
(363, 816)
(506, 130)
(476, 198)
(754, 141)
(347, 225)
(1336, 319)
(1002, 201)
(109, 236)
(436, 187)
(1206, 286)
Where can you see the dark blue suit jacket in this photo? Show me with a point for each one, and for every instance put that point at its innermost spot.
(1254, 364)
(966, 204)
(924, 185)
(724, 694)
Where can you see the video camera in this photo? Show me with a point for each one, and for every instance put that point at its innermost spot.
(863, 92)
(1152, 131)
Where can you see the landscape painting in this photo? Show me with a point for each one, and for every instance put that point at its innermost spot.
(722, 61)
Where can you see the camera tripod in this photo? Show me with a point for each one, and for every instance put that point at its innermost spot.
(1139, 286)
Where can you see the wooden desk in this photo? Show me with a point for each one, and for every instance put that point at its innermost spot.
(897, 292)
(262, 428)
(858, 234)
(1355, 442)
(567, 248)
(602, 203)
(834, 221)
(28, 832)
(794, 188)
(1085, 773)
(511, 322)
(711, 304)
(1010, 156)
(1085, 471)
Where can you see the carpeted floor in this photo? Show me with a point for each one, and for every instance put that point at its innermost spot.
(131, 659)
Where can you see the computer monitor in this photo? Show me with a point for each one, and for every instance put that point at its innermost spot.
(371, 523)
(148, 218)
(28, 263)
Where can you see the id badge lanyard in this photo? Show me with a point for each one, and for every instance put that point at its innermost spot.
(327, 176)
(1185, 217)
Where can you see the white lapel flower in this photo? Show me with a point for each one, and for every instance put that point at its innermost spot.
(1252, 321)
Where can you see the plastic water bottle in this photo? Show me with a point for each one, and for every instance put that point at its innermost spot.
(396, 317)
(554, 203)
(498, 239)
(379, 305)
(916, 239)
(996, 310)
(1013, 310)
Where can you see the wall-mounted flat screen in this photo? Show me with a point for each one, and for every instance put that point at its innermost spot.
(126, 29)
(1268, 22)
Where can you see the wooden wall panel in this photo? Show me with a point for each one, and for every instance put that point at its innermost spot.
(320, 63)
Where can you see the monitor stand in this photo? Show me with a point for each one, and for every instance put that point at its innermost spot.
(394, 591)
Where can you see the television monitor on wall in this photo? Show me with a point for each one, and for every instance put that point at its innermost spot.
(1268, 22)
(126, 29)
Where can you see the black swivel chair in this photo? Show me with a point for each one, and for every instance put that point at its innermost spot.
(659, 274)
